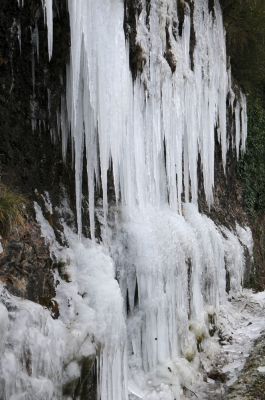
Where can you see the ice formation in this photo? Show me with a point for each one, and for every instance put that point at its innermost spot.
(146, 295)
(32, 348)
(149, 133)
(91, 307)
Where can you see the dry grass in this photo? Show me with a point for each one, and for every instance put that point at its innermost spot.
(12, 210)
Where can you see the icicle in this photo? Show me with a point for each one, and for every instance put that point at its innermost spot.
(35, 40)
(48, 19)
(19, 35)
(237, 128)
(33, 63)
(244, 122)
(64, 127)
(49, 101)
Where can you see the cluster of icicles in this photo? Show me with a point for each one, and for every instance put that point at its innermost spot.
(152, 134)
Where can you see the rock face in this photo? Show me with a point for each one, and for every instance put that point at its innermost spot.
(30, 94)
(84, 387)
(31, 90)
(26, 266)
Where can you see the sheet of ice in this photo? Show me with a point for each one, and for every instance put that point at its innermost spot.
(91, 307)
(245, 237)
(96, 299)
(153, 274)
(47, 202)
(235, 261)
(172, 273)
(32, 349)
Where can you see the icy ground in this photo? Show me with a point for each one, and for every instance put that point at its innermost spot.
(243, 322)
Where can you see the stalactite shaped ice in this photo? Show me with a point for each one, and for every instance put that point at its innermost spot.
(162, 292)
(244, 121)
(151, 133)
(48, 18)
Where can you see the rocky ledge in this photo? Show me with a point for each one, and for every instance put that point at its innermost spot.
(26, 268)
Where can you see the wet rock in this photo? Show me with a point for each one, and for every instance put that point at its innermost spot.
(137, 57)
(169, 54)
(85, 386)
(217, 375)
(26, 265)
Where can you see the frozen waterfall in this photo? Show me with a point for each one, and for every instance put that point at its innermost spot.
(149, 135)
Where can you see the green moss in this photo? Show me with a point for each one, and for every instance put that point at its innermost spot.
(12, 207)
